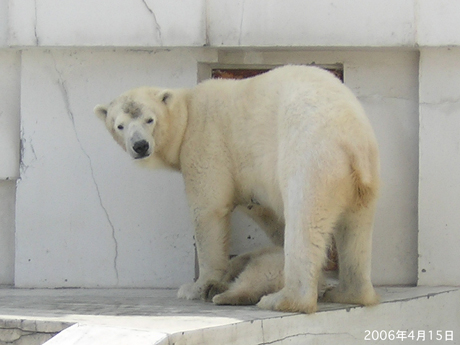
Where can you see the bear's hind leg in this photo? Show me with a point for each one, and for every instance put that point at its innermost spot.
(310, 217)
(238, 295)
(354, 244)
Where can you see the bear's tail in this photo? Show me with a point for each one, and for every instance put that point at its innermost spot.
(365, 168)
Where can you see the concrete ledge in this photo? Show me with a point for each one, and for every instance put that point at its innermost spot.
(142, 316)
(194, 23)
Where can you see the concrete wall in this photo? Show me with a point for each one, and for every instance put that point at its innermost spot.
(81, 202)
(9, 114)
(9, 158)
(346, 23)
(219, 23)
(439, 237)
(106, 23)
(86, 216)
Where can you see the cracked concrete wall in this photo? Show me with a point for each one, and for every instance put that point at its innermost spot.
(196, 23)
(86, 214)
(30, 332)
(313, 23)
(115, 23)
(439, 236)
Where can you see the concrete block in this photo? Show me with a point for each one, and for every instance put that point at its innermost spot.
(314, 23)
(438, 23)
(107, 23)
(439, 238)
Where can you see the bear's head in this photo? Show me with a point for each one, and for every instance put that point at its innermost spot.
(148, 123)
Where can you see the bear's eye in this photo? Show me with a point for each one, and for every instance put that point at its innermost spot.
(150, 120)
(120, 127)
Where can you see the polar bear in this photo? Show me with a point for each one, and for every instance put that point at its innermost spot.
(292, 147)
(251, 276)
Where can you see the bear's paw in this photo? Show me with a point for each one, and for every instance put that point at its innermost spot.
(213, 288)
(287, 302)
(189, 291)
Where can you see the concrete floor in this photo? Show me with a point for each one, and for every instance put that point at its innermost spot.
(144, 316)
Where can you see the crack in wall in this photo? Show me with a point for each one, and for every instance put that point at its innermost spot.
(241, 23)
(21, 335)
(207, 41)
(293, 336)
(29, 338)
(65, 96)
(280, 340)
(155, 22)
(22, 146)
(23, 331)
(379, 97)
(263, 331)
(442, 101)
(422, 296)
(23, 167)
(37, 41)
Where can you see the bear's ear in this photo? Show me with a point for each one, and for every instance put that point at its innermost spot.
(165, 96)
(101, 111)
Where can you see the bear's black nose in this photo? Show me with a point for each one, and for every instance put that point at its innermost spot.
(141, 147)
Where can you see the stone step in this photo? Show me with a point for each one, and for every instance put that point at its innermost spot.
(146, 316)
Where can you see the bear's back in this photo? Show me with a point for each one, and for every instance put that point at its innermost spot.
(264, 100)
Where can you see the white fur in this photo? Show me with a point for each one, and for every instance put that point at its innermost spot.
(295, 146)
(251, 276)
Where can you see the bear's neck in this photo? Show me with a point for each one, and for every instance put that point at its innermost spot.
(174, 136)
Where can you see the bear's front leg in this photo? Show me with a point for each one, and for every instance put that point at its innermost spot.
(212, 243)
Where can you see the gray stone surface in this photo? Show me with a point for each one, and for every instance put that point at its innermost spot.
(144, 316)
